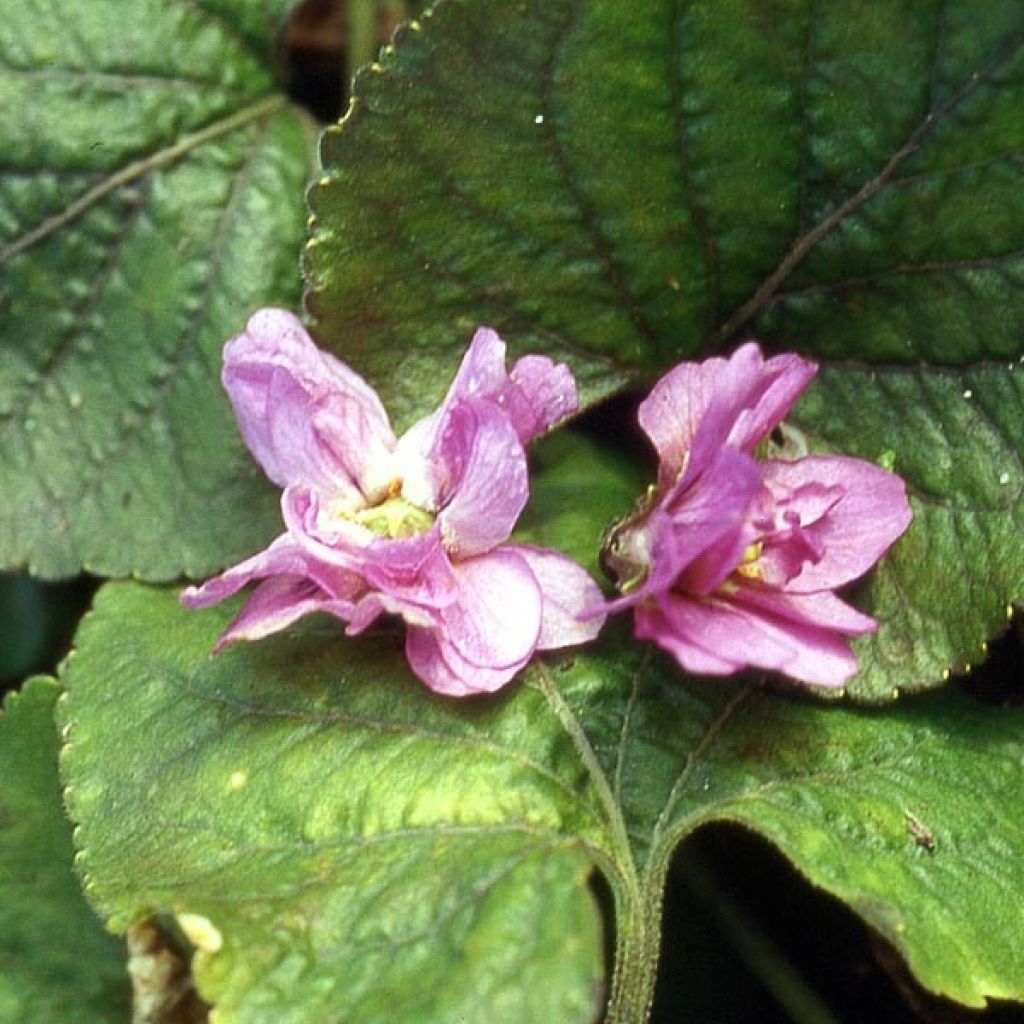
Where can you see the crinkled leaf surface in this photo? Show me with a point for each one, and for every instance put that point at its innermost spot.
(150, 198)
(624, 187)
(414, 858)
(366, 852)
(59, 965)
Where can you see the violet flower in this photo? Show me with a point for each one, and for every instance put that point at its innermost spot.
(730, 562)
(414, 526)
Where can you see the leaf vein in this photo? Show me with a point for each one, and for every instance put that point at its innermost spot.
(803, 245)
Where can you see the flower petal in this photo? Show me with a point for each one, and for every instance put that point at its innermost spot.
(534, 396)
(856, 530)
(487, 467)
(488, 634)
(537, 394)
(698, 407)
(702, 632)
(275, 604)
(415, 569)
(305, 416)
(822, 609)
(709, 525)
(567, 592)
(283, 557)
(442, 668)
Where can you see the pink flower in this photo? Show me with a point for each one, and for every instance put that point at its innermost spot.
(413, 526)
(730, 562)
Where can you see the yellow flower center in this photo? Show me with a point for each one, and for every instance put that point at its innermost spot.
(394, 518)
(748, 566)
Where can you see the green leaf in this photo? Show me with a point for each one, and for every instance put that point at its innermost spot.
(577, 487)
(301, 798)
(625, 188)
(412, 858)
(59, 964)
(150, 199)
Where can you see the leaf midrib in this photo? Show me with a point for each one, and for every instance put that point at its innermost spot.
(138, 169)
(803, 245)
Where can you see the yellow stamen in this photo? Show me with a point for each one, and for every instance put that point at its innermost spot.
(748, 563)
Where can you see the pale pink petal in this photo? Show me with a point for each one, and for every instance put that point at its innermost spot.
(488, 634)
(698, 630)
(496, 620)
(487, 468)
(306, 417)
(538, 394)
(275, 604)
(444, 670)
(572, 602)
(283, 557)
(856, 530)
(481, 374)
(415, 569)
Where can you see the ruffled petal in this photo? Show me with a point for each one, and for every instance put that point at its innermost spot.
(855, 530)
(487, 467)
(275, 604)
(444, 670)
(416, 569)
(709, 525)
(488, 634)
(305, 416)
(572, 601)
(700, 632)
(419, 451)
(698, 407)
(283, 557)
(537, 394)
(822, 609)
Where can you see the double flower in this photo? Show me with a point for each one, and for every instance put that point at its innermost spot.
(727, 561)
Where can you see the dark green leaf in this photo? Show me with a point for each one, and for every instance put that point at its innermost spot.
(59, 966)
(625, 187)
(418, 859)
(150, 199)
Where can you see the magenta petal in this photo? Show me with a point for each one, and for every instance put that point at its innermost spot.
(657, 621)
(697, 407)
(275, 604)
(857, 530)
(489, 485)
(305, 416)
(707, 525)
(698, 630)
(822, 609)
(568, 593)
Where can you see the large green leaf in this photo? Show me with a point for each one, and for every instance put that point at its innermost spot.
(625, 187)
(59, 966)
(150, 199)
(356, 848)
